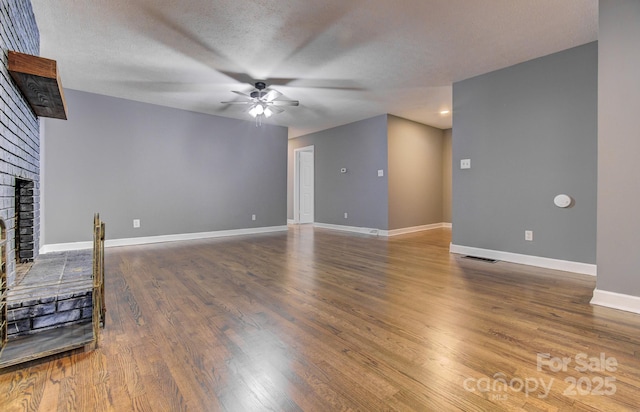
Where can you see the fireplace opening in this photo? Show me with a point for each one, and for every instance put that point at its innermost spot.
(25, 248)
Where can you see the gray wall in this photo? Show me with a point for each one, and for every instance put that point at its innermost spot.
(619, 146)
(361, 147)
(177, 171)
(446, 176)
(415, 173)
(530, 131)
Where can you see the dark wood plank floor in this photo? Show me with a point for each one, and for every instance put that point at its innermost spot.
(317, 320)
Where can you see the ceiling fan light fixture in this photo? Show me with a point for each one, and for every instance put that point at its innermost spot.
(264, 102)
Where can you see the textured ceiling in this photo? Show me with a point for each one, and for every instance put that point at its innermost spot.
(344, 60)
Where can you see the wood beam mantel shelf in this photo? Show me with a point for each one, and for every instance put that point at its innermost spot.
(39, 81)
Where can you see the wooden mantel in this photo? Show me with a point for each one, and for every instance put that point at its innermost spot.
(39, 81)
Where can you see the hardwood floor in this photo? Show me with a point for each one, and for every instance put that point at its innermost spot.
(318, 320)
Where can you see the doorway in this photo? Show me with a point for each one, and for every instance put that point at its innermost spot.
(304, 185)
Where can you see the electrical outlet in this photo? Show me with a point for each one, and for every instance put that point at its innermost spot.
(528, 235)
(253, 217)
(346, 215)
(136, 223)
(465, 164)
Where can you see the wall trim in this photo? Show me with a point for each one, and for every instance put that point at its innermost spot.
(628, 303)
(543, 262)
(381, 232)
(63, 247)
(447, 225)
(413, 229)
(353, 229)
(291, 222)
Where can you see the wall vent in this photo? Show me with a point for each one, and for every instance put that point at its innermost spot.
(480, 259)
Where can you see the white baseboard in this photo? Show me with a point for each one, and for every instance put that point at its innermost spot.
(413, 229)
(447, 225)
(615, 300)
(380, 232)
(548, 263)
(63, 247)
(353, 229)
(291, 222)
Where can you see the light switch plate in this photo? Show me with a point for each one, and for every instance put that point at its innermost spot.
(380, 173)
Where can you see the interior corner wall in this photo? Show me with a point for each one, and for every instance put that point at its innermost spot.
(179, 172)
(530, 131)
(446, 176)
(361, 148)
(618, 147)
(415, 173)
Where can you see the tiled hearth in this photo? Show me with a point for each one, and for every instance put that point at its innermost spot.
(56, 291)
(57, 307)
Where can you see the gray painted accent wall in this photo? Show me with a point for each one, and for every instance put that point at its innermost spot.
(619, 146)
(415, 173)
(446, 176)
(361, 147)
(530, 131)
(177, 171)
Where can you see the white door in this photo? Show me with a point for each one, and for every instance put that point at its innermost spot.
(306, 187)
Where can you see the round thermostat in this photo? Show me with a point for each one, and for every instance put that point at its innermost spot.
(562, 201)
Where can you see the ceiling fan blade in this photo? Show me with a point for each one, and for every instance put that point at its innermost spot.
(271, 95)
(275, 109)
(236, 102)
(241, 93)
(284, 103)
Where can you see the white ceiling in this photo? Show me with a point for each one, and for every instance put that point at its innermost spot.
(344, 60)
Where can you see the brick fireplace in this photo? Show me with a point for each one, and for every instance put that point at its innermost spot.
(25, 247)
(53, 290)
(19, 143)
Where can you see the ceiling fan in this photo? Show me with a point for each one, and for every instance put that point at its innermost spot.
(263, 101)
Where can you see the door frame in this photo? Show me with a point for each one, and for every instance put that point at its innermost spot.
(296, 181)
